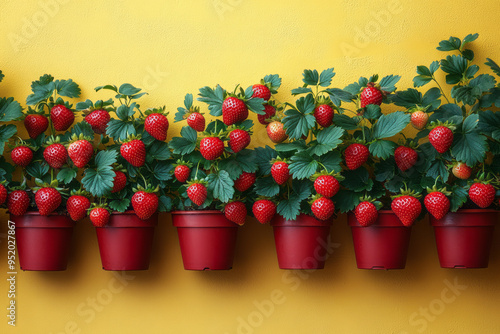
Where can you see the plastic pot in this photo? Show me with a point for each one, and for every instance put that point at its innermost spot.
(207, 239)
(125, 243)
(43, 242)
(301, 243)
(464, 238)
(383, 245)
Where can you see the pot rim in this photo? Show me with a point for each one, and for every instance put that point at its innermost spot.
(195, 212)
(37, 213)
(301, 220)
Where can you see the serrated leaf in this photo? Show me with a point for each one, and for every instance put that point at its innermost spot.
(431, 98)
(453, 43)
(407, 98)
(221, 185)
(447, 112)
(357, 180)
(124, 112)
(158, 151)
(42, 89)
(372, 111)
(10, 109)
(98, 182)
(385, 169)
(297, 145)
(469, 38)
(345, 122)
(301, 90)
(310, 77)
(470, 123)
(165, 204)
(382, 149)
(388, 83)
(6, 132)
(494, 67)
(66, 175)
(247, 160)
(423, 70)
(67, 88)
(263, 157)
(298, 124)
(327, 140)
(274, 80)
(120, 205)
(188, 101)
(455, 66)
(438, 169)
(82, 128)
(108, 87)
(346, 200)
(302, 165)
(256, 104)
(489, 124)
(434, 66)
(232, 167)
(214, 99)
(421, 80)
(354, 88)
(105, 159)
(337, 95)
(266, 186)
(458, 198)
(289, 208)
(469, 147)
(37, 170)
(390, 124)
(331, 161)
(162, 171)
(120, 130)
(128, 89)
(325, 78)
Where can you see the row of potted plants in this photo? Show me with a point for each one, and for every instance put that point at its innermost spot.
(336, 151)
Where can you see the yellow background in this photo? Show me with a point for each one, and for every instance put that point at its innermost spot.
(171, 48)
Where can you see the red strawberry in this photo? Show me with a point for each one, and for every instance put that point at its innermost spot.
(47, 200)
(182, 173)
(21, 156)
(270, 112)
(441, 138)
(419, 119)
(134, 152)
(264, 210)
(145, 204)
(280, 172)
(238, 140)
(356, 155)
(244, 181)
(407, 208)
(405, 157)
(371, 95)
(324, 115)
(62, 117)
(119, 182)
(77, 206)
(55, 155)
(196, 121)
(437, 204)
(3, 194)
(99, 217)
(234, 110)
(18, 202)
(261, 91)
(482, 194)
(80, 152)
(326, 185)
(276, 132)
(236, 212)
(211, 147)
(323, 208)
(462, 171)
(366, 213)
(98, 120)
(35, 125)
(156, 125)
(197, 193)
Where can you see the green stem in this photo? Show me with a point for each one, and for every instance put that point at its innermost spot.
(441, 89)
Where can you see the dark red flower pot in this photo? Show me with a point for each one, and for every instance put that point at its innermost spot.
(383, 245)
(125, 243)
(301, 243)
(43, 242)
(207, 239)
(464, 238)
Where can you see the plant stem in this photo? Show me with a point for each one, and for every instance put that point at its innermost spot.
(441, 89)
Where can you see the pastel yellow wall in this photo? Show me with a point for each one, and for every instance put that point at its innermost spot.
(171, 48)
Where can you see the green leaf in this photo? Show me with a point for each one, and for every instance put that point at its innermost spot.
(434, 66)
(448, 112)
(385, 170)
(289, 208)
(345, 122)
(120, 205)
(301, 90)
(469, 38)
(165, 204)
(470, 123)
(214, 99)
(407, 98)
(67, 88)
(297, 145)
(453, 43)
(82, 128)
(346, 200)
(263, 157)
(221, 185)
(458, 197)
(6, 132)
(120, 130)
(382, 149)
(390, 124)
(105, 159)
(188, 101)
(306, 104)
(325, 78)
(162, 171)
(9, 109)
(266, 186)
(471, 71)
(310, 77)
(98, 182)
(357, 180)
(337, 95)
(388, 83)
(489, 124)
(256, 104)
(185, 144)
(469, 147)
(247, 160)
(331, 161)
(302, 188)
(423, 70)
(455, 66)
(494, 67)
(232, 167)
(158, 151)
(431, 98)
(274, 80)
(37, 170)
(108, 87)
(303, 165)
(1, 76)
(298, 124)
(438, 169)
(327, 140)
(128, 89)
(124, 112)
(66, 175)
(421, 80)
(373, 111)
(354, 88)
(42, 89)
(484, 82)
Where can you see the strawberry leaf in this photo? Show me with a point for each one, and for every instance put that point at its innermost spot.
(346, 200)
(67, 88)
(453, 43)
(6, 132)
(42, 89)
(266, 186)
(331, 161)
(107, 87)
(345, 122)
(326, 76)
(124, 112)
(66, 175)
(438, 169)
(232, 167)
(120, 130)
(382, 149)
(37, 170)
(256, 104)
(165, 204)
(120, 205)
(407, 98)
(221, 185)
(354, 88)
(301, 90)
(338, 95)
(162, 171)
(214, 99)
(372, 111)
(98, 182)
(421, 80)
(456, 67)
(179, 115)
(185, 144)
(297, 145)
(327, 140)
(388, 83)
(274, 80)
(289, 208)
(489, 124)
(188, 101)
(9, 109)
(263, 157)
(357, 180)
(310, 77)
(128, 89)
(306, 104)
(81, 128)
(303, 165)
(390, 124)
(458, 197)
(159, 150)
(298, 124)
(216, 126)
(448, 112)
(105, 159)
(247, 160)
(469, 38)
(469, 147)
(494, 67)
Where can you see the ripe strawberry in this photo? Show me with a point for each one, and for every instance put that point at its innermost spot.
(196, 121)
(324, 115)
(461, 171)
(234, 110)
(145, 204)
(405, 157)
(61, 117)
(98, 120)
(99, 217)
(441, 138)
(55, 155)
(276, 132)
(80, 152)
(323, 208)
(261, 91)
(366, 213)
(119, 181)
(3, 194)
(280, 172)
(244, 181)
(419, 119)
(236, 212)
(134, 152)
(326, 185)
(482, 194)
(77, 206)
(238, 140)
(182, 173)
(197, 193)
(36, 125)
(437, 204)
(211, 147)
(47, 200)
(270, 112)
(264, 210)
(407, 208)
(371, 95)
(18, 202)
(356, 155)
(157, 126)
(21, 156)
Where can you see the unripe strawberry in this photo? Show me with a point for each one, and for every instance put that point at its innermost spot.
(21, 156)
(35, 125)
(366, 213)
(47, 200)
(437, 204)
(236, 212)
(270, 112)
(419, 119)
(356, 155)
(62, 117)
(211, 147)
(280, 172)
(405, 157)
(441, 138)
(157, 126)
(323, 208)
(18, 202)
(326, 185)
(276, 132)
(197, 193)
(264, 210)
(324, 115)
(482, 194)
(98, 120)
(462, 171)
